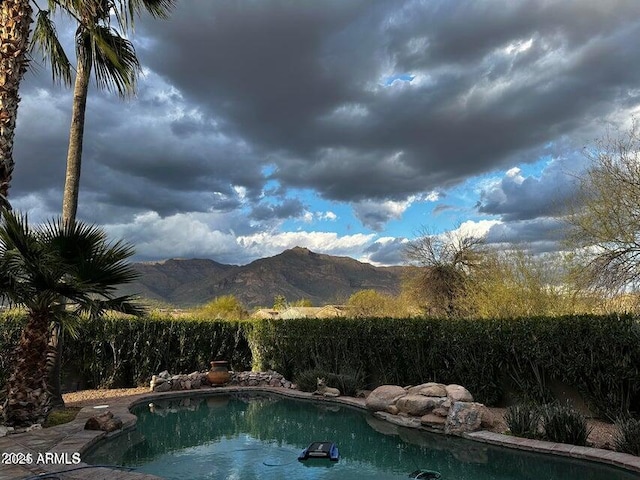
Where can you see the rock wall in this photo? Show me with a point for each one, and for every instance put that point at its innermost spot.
(164, 381)
(434, 406)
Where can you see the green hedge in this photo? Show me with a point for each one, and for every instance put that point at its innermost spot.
(11, 324)
(598, 355)
(117, 352)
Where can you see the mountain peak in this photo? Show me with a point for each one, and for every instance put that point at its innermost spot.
(300, 250)
(295, 273)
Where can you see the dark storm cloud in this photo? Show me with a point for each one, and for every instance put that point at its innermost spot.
(371, 102)
(539, 235)
(494, 83)
(442, 208)
(517, 197)
(288, 208)
(389, 252)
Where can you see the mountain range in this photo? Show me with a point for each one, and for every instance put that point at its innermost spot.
(296, 273)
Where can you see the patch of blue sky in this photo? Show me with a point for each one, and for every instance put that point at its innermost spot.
(535, 169)
(270, 184)
(459, 204)
(453, 207)
(322, 215)
(402, 77)
(444, 214)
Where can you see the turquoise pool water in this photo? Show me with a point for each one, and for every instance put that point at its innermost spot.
(259, 436)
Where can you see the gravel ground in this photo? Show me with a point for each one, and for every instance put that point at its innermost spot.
(601, 436)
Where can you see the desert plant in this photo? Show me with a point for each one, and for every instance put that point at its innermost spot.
(523, 420)
(627, 438)
(307, 380)
(563, 424)
(58, 272)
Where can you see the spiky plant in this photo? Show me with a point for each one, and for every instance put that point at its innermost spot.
(58, 272)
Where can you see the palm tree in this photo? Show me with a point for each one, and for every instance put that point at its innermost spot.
(15, 25)
(16, 17)
(58, 272)
(101, 49)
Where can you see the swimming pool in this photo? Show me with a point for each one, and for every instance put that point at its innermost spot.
(259, 436)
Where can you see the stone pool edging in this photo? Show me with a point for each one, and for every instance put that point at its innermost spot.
(71, 437)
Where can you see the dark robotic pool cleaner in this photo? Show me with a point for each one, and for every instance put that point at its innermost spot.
(326, 450)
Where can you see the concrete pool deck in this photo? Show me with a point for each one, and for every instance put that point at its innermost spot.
(62, 441)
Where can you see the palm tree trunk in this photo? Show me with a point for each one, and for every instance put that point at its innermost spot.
(15, 25)
(54, 365)
(76, 133)
(27, 389)
(70, 201)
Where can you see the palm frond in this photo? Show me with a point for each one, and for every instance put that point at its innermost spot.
(45, 40)
(112, 57)
(128, 10)
(70, 322)
(83, 11)
(4, 203)
(72, 240)
(124, 304)
(60, 263)
(98, 266)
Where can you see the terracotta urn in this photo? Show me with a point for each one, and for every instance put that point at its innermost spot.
(219, 374)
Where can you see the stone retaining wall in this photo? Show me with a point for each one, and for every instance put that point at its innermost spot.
(164, 381)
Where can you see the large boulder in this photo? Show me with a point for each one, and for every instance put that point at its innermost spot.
(433, 421)
(384, 396)
(457, 393)
(464, 417)
(162, 387)
(430, 389)
(418, 405)
(105, 422)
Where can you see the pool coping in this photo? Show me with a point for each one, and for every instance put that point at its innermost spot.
(71, 437)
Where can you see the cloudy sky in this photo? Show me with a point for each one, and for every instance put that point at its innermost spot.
(344, 126)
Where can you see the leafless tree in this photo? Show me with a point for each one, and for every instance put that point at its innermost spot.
(447, 262)
(604, 218)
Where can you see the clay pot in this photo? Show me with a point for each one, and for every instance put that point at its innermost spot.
(219, 373)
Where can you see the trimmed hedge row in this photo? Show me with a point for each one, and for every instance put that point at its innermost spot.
(10, 329)
(117, 352)
(598, 355)
(124, 352)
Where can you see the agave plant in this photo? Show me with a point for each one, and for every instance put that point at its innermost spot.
(58, 272)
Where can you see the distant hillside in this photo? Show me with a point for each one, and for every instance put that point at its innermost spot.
(296, 273)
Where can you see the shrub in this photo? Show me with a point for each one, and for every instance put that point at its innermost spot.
(597, 355)
(523, 420)
(307, 380)
(627, 438)
(563, 424)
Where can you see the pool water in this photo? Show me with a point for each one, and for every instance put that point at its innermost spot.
(259, 436)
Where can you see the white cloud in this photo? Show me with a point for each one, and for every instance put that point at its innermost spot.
(309, 217)
(374, 214)
(211, 235)
(514, 172)
(183, 235)
(265, 243)
(432, 196)
(475, 228)
(519, 46)
(329, 215)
